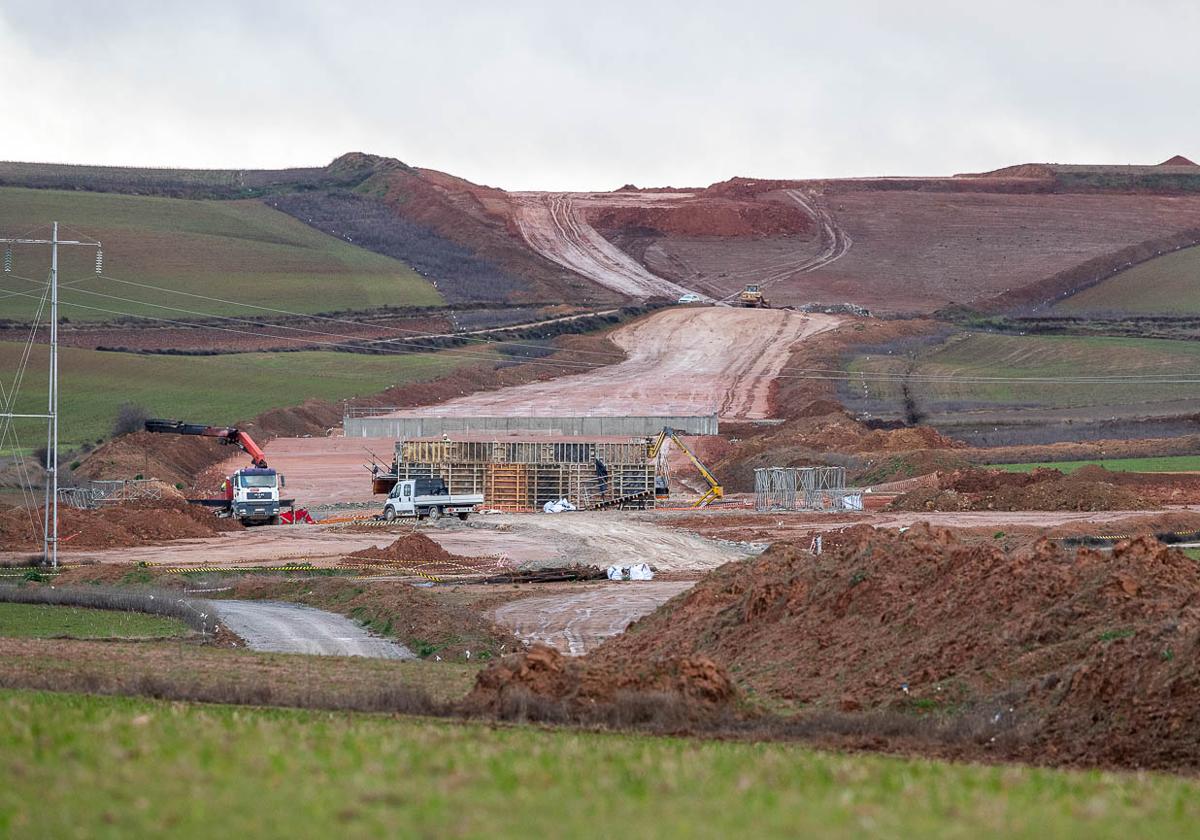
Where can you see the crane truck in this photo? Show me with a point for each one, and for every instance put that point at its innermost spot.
(252, 494)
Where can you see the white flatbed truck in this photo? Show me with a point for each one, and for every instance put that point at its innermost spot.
(428, 497)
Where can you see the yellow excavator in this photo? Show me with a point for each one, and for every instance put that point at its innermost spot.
(715, 490)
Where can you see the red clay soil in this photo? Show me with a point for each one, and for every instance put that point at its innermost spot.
(1042, 489)
(582, 682)
(480, 219)
(1086, 657)
(807, 440)
(417, 551)
(116, 526)
(717, 217)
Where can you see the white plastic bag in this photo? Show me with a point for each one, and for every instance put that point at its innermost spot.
(640, 571)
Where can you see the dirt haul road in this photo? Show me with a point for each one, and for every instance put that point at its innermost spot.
(554, 225)
(680, 361)
(599, 538)
(293, 628)
(578, 622)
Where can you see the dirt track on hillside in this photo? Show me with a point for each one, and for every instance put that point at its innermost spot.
(680, 361)
(554, 225)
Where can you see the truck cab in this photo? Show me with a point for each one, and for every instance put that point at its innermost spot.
(253, 495)
(428, 497)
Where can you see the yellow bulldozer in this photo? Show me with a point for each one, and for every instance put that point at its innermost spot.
(751, 297)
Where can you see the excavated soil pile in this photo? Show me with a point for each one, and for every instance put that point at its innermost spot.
(115, 526)
(805, 440)
(1085, 657)
(580, 684)
(1042, 489)
(429, 626)
(414, 546)
(417, 552)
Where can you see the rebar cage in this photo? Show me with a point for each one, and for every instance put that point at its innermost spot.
(799, 488)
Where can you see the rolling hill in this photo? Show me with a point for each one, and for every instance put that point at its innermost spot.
(240, 250)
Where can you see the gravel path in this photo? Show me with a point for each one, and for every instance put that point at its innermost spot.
(292, 628)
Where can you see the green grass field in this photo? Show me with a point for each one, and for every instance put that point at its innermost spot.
(240, 251)
(215, 389)
(1169, 463)
(1169, 285)
(1039, 356)
(96, 766)
(47, 621)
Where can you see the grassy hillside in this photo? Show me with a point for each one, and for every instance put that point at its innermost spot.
(146, 768)
(1047, 357)
(211, 389)
(1168, 285)
(50, 621)
(236, 250)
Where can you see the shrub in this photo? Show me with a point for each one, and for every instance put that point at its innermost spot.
(130, 418)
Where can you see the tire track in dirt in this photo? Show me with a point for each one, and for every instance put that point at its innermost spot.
(680, 361)
(835, 242)
(553, 224)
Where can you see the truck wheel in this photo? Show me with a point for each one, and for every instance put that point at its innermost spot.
(274, 520)
(435, 514)
(463, 516)
(389, 513)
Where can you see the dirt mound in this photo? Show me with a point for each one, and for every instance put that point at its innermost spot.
(414, 546)
(581, 682)
(418, 554)
(115, 526)
(1091, 653)
(806, 440)
(1177, 160)
(1042, 489)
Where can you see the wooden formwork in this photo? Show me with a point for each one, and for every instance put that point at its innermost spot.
(525, 475)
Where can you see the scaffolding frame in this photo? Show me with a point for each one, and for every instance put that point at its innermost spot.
(522, 476)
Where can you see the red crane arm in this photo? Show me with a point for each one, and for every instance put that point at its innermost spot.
(226, 434)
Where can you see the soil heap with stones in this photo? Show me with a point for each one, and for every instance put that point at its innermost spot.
(1086, 489)
(114, 526)
(1087, 657)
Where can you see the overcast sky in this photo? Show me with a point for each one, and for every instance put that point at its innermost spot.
(564, 95)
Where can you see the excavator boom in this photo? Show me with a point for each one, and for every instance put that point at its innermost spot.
(715, 490)
(226, 434)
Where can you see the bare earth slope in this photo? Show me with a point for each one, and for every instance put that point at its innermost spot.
(680, 361)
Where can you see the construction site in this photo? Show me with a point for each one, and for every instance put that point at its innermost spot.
(736, 505)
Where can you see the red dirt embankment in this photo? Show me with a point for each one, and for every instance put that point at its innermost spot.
(698, 217)
(1089, 488)
(1086, 657)
(115, 526)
